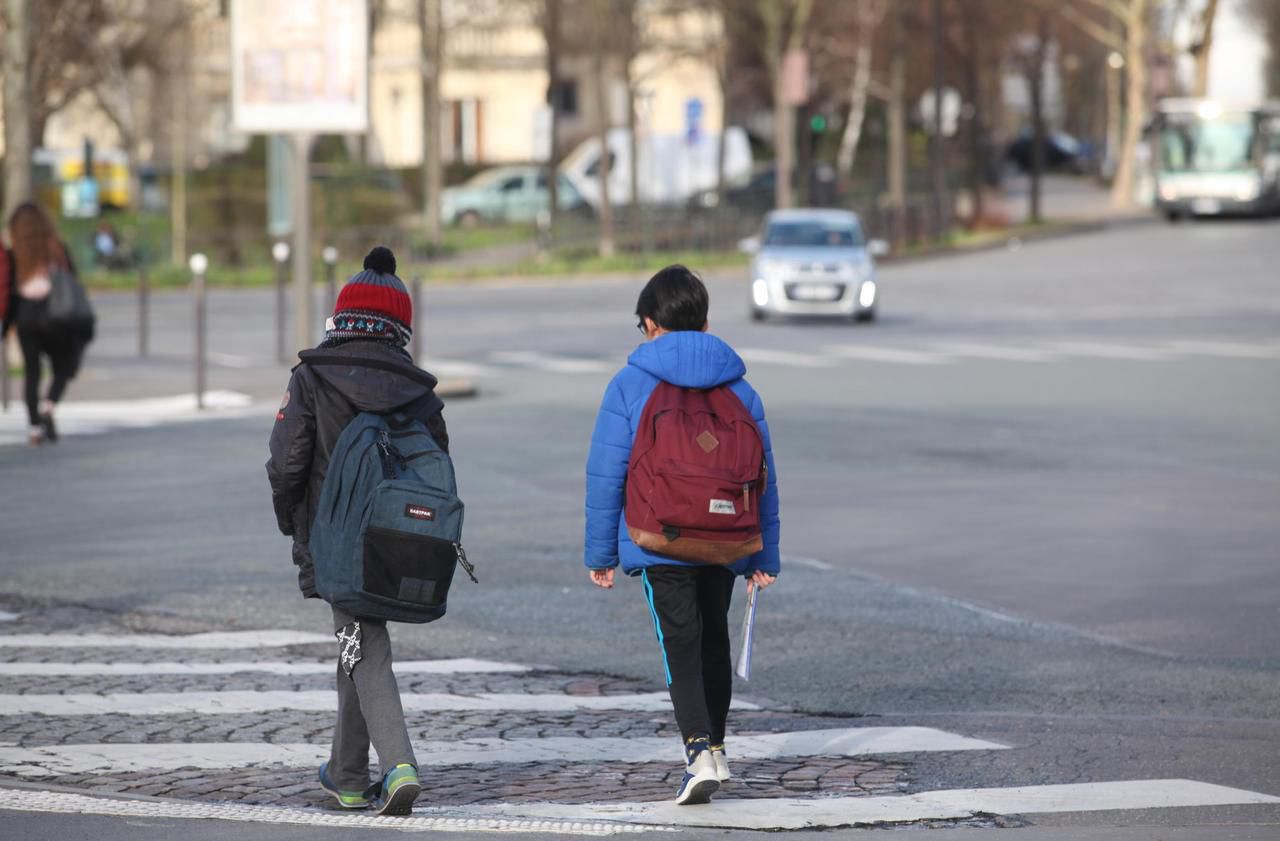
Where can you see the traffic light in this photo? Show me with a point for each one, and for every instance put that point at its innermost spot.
(818, 123)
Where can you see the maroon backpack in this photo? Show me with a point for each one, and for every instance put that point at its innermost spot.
(696, 475)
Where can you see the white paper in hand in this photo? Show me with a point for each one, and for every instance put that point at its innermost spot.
(748, 633)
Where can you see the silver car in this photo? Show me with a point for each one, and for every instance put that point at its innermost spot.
(813, 262)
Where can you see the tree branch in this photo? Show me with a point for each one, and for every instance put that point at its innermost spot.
(1092, 28)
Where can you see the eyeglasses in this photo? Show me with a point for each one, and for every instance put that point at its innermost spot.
(641, 328)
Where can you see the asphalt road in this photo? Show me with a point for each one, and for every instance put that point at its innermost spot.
(1037, 502)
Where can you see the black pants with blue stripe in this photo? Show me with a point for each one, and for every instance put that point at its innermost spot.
(690, 609)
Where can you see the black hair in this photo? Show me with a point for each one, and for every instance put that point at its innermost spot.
(675, 298)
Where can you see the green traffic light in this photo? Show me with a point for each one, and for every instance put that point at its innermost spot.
(818, 123)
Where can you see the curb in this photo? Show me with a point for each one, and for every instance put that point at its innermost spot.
(457, 389)
(1066, 229)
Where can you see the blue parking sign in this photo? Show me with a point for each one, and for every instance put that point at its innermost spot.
(692, 119)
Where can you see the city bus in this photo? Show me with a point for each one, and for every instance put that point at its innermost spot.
(1212, 158)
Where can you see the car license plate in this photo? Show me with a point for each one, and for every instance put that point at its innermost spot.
(817, 292)
(1206, 206)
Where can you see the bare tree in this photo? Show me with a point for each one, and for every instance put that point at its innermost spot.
(17, 104)
(1130, 17)
(785, 25)
(1203, 46)
(870, 14)
(600, 51)
(897, 118)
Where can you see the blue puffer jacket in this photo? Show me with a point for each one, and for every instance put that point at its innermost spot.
(691, 360)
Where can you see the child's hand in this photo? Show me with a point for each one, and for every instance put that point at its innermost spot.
(602, 577)
(760, 579)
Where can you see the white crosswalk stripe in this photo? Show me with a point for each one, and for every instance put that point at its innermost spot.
(188, 657)
(93, 417)
(862, 741)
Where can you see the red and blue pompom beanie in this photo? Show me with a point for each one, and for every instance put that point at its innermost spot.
(373, 304)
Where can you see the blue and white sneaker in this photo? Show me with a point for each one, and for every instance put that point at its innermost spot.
(700, 777)
(722, 764)
(346, 799)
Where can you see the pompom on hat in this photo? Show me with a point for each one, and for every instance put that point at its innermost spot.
(374, 304)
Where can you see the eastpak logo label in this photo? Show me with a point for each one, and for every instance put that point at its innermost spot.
(419, 512)
(723, 506)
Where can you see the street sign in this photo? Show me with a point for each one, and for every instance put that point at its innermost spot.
(299, 67)
(952, 106)
(693, 109)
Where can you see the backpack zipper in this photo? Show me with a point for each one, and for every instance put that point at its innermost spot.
(466, 565)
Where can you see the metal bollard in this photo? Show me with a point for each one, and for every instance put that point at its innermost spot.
(415, 344)
(199, 265)
(144, 322)
(4, 372)
(280, 253)
(330, 257)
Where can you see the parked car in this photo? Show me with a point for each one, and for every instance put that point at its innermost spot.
(810, 261)
(505, 194)
(1062, 152)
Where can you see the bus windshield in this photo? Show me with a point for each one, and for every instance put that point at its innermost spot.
(1193, 144)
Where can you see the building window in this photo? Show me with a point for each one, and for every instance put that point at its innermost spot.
(565, 97)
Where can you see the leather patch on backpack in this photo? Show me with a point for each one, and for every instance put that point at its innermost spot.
(707, 441)
(420, 512)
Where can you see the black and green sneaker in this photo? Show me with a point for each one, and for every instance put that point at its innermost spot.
(346, 799)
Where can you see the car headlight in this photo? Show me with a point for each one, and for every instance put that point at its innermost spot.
(867, 294)
(1250, 191)
(760, 291)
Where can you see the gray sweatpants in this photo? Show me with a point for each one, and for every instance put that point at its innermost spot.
(369, 708)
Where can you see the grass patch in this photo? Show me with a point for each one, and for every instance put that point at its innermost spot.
(578, 263)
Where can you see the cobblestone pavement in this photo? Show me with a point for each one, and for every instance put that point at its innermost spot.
(563, 782)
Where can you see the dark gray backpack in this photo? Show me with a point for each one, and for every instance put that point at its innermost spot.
(387, 534)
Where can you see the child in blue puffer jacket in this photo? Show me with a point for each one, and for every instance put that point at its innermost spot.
(689, 602)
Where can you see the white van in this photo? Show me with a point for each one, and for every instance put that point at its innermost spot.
(672, 168)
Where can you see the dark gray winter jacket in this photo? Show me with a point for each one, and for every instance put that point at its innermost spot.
(328, 388)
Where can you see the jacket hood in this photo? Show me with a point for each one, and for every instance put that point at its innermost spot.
(689, 359)
(373, 376)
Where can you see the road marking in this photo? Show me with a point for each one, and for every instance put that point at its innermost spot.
(784, 357)
(1004, 353)
(552, 363)
(230, 360)
(209, 640)
(125, 758)
(238, 702)
(6, 616)
(796, 813)
(862, 353)
(458, 368)
(462, 665)
(1235, 350)
(1103, 350)
(811, 563)
(423, 820)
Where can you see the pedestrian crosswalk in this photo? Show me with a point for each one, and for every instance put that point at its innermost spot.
(65, 740)
(918, 354)
(91, 417)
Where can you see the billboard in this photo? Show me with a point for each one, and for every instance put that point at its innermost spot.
(299, 66)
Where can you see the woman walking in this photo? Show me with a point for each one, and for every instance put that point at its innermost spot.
(40, 265)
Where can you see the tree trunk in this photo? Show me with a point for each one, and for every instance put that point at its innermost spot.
(1205, 47)
(869, 14)
(551, 35)
(937, 164)
(601, 79)
(784, 142)
(432, 54)
(977, 122)
(897, 157)
(1135, 104)
(1035, 84)
(722, 76)
(17, 104)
